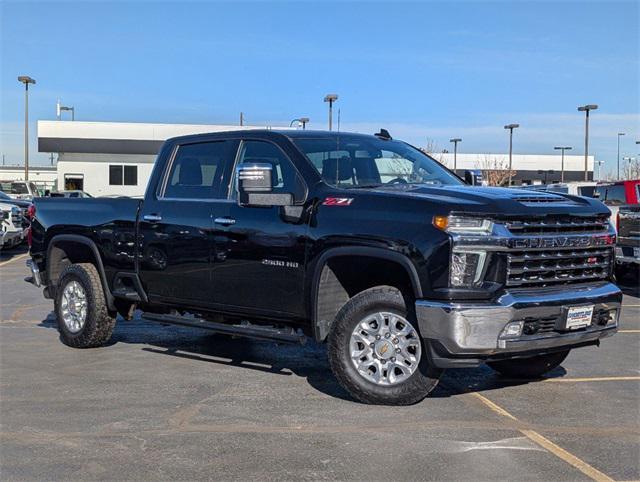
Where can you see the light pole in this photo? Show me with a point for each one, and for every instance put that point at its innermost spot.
(619, 135)
(60, 108)
(562, 148)
(455, 152)
(301, 120)
(599, 163)
(331, 98)
(26, 80)
(586, 109)
(511, 127)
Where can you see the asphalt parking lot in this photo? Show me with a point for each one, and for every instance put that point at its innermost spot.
(176, 403)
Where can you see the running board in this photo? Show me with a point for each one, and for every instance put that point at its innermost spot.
(283, 335)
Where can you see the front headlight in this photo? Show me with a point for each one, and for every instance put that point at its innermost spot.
(469, 225)
(466, 268)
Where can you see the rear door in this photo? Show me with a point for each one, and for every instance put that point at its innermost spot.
(259, 259)
(176, 220)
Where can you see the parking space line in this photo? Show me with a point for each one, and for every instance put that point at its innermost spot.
(14, 259)
(628, 331)
(592, 379)
(547, 444)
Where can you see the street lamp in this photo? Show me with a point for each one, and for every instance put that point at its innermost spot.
(586, 109)
(619, 135)
(60, 108)
(455, 152)
(511, 127)
(599, 163)
(26, 80)
(562, 148)
(331, 98)
(301, 120)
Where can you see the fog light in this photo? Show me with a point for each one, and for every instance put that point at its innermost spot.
(613, 316)
(619, 251)
(512, 330)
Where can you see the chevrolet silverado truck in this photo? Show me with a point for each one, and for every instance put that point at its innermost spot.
(628, 243)
(360, 241)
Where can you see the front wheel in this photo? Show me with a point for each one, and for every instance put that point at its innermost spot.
(533, 367)
(376, 352)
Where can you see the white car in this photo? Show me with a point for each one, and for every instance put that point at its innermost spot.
(12, 231)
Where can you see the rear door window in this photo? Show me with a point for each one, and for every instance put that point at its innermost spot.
(197, 169)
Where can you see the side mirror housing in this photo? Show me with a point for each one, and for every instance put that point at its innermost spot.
(255, 186)
(473, 177)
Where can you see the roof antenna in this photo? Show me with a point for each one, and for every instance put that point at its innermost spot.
(383, 134)
(338, 119)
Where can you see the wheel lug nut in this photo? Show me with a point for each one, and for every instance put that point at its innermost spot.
(372, 345)
(384, 361)
(393, 358)
(397, 350)
(387, 335)
(395, 340)
(378, 337)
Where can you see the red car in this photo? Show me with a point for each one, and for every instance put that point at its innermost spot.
(618, 193)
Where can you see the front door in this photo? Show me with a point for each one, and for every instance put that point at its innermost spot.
(175, 223)
(260, 252)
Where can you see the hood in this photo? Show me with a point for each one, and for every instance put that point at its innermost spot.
(498, 201)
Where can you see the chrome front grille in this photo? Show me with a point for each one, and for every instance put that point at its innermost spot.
(544, 267)
(559, 250)
(559, 225)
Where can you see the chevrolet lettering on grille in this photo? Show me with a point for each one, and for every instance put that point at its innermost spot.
(562, 242)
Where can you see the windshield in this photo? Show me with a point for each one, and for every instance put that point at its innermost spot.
(351, 161)
(14, 187)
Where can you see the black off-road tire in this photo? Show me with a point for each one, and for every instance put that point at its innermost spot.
(100, 322)
(533, 367)
(410, 391)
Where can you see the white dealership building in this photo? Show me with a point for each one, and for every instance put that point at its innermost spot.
(116, 158)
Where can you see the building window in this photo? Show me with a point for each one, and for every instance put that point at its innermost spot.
(123, 175)
(130, 175)
(115, 175)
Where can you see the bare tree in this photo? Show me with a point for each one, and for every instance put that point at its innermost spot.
(495, 171)
(632, 169)
(432, 149)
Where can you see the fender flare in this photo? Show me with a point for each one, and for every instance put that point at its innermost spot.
(76, 238)
(368, 251)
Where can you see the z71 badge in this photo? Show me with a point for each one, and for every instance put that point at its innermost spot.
(337, 201)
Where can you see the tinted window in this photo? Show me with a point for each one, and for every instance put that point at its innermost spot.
(284, 176)
(197, 170)
(130, 175)
(616, 195)
(115, 175)
(353, 161)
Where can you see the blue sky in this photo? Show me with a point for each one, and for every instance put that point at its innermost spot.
(423, 70)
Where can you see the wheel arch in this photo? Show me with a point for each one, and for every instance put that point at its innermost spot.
(328, 294)
(66, 249)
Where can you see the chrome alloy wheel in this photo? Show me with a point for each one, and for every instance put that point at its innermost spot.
(74, 306)
(385, 348)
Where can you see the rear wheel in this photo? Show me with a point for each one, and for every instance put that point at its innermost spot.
(83, 318)
(533, 367)
(376, 352)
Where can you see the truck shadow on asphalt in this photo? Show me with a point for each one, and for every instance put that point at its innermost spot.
(308, 361)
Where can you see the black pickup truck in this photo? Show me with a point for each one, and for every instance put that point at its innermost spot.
(361, 241)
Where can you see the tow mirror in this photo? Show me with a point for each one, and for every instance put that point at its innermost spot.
(255, 187)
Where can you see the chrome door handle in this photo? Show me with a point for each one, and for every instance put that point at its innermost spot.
(152, 217)
(225, 221)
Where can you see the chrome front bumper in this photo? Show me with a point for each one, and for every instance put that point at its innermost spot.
(465, 334)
